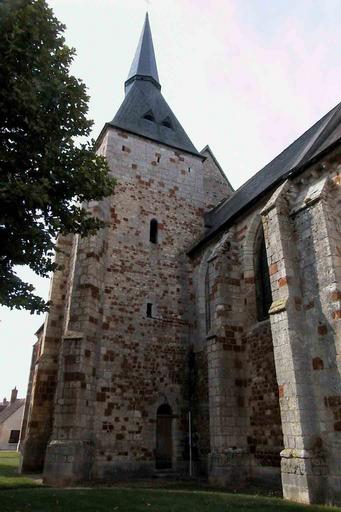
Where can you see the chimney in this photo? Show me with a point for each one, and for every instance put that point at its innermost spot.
(14, 395)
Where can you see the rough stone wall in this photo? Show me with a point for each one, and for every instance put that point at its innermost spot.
(302, 227)
(143, 360)
(265, 440)
(216, 185)
(34, 359)
(116, 365)
(40, 402)
(245, 425)
(200, 413)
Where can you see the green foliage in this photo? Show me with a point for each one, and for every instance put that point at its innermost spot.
(45, 176)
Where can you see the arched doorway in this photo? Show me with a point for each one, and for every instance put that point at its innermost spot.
(164, 444)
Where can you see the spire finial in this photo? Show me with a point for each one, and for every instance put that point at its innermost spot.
(144, 63)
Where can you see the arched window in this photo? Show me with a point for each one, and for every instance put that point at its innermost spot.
(153, 231)
(262, 278)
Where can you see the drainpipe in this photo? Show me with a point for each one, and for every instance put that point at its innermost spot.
(190, 442)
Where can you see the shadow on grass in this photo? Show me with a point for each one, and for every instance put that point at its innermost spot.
(142, 500)
(143, 496)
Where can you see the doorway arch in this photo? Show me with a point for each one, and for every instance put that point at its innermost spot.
(164, 437)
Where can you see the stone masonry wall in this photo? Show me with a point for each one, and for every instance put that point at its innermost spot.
(245, 424)
(215, 184)
(117, 365)
(302, 227)
(265, 440)
(43, 376)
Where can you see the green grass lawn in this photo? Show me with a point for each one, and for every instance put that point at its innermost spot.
(9, 476)
(119, 499)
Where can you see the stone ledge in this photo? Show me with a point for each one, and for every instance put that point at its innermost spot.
(278, 306)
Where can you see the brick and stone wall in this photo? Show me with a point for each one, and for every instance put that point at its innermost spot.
(215, 185)
(245, 425)
(44, 369)
(302, 229)
(114, 364)
(135, 325)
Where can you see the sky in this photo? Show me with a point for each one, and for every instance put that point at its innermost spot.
(246, 77)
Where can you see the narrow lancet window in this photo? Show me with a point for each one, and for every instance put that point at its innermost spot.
(262, 278)
(153, 231)
(208, 302)
(149, 310)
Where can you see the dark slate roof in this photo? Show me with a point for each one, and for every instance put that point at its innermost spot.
(321, 136)
(144, 63)
(11, 409)
(144, 98)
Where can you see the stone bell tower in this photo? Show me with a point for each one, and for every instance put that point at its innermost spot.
(108, 394)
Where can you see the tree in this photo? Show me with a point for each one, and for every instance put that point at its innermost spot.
(45, 174)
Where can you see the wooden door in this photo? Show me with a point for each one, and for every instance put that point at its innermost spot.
(164, 445)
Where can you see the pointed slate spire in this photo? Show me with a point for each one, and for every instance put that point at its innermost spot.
(144, 63)
(144, 110)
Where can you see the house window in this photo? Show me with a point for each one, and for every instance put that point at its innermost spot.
(149, 310)
(262, 278)
(14, 437)
(153, 231)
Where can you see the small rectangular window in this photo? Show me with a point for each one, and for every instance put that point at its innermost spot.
(14, 436)
(149, 310)
(153, 231)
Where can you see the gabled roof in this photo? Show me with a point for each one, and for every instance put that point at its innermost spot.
(321, 136)
(11, 409)
(144, 110)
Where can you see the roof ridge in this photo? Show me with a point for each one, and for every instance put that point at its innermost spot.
(325, 130)
(330, 112)
(11, 409)
(314, 142)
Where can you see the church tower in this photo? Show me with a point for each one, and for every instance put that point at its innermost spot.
(109, 388)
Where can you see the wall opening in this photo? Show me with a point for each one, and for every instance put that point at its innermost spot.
(262, 277)
(149, 311)
(153, 231)
(164, 441)
(208, 298)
